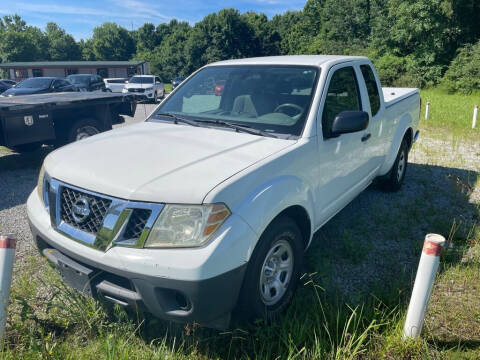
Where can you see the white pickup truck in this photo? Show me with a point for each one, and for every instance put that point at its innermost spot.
(209, 205)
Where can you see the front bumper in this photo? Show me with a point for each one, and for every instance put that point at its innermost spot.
(146, 95)
(184, 285)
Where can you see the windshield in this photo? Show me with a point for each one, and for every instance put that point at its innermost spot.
(270, 98)
(79, 80)
(34, 83)
(141, 80)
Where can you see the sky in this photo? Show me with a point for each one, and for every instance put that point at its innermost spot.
(80, 17)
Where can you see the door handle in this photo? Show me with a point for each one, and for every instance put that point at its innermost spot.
(366, 137)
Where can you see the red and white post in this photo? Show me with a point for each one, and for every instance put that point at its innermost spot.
(475, 113)
(7, 255)
(426, 273)
(427, 110)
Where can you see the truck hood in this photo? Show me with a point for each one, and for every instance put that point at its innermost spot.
(159, 162)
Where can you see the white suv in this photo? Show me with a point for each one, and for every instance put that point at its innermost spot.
(145, 87)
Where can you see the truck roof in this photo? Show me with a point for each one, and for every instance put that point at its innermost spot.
(312, 60)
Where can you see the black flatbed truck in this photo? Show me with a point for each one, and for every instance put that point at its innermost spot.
(27, 122)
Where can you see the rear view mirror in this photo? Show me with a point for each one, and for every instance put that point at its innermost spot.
(349, 122)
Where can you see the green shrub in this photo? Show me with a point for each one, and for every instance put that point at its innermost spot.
(463, 75)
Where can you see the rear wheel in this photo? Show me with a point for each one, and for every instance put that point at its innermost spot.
(155, 97)
(394, 179)
(82, 129)
(273, 271)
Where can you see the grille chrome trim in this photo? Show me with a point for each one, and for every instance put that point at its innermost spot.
(113, 225)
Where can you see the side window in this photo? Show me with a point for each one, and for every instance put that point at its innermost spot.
(56, 84)
(372, 88)
(342, 94)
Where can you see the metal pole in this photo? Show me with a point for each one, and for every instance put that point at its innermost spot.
(475, 113)
(427, 110)
(7, 255)
(427, 270)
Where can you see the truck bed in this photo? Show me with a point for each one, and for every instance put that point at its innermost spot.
(63, 99)
(392, 95)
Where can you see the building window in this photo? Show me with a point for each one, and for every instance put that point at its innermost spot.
(131, 70)
(21, 74)
(37, 72)
(72, 71)
(103, 72)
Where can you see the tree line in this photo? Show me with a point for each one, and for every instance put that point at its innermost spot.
(419, 43)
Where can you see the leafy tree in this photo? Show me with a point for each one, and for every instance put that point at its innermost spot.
(146, 37)
(112, 42)
(283, 25)
(219, 36)
(20, 42)
(266, 39)
(61, 46)
(463, 74)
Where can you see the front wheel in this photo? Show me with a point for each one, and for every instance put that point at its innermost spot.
(273, 271)
(394, 179)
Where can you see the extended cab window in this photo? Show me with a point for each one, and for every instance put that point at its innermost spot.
(372, 88)
(342, 95)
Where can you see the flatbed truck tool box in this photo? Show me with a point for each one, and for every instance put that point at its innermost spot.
(27, 122)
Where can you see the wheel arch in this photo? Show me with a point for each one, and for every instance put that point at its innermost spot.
(300, 216)
(404, 130)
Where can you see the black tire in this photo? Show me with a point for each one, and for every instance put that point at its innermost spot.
(26, 148)
(82, 129)
(154, 100)
(394, 179)
(251, 303)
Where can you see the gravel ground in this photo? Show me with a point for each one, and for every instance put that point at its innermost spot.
(372, 245)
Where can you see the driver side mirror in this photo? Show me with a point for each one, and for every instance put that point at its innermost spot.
(349, 122)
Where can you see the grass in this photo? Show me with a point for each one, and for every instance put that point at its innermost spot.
(327, 319)
(450, 113)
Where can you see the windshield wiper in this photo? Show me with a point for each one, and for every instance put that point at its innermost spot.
(238, 128)
(178, 119)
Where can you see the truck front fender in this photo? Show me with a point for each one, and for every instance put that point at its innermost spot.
(270, 199)
(404, 125)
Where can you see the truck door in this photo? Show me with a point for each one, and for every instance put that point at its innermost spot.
(342, 162)
(376, 145)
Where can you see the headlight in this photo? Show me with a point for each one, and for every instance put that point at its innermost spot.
(40, 182)
(186, 225)
(43, 187)
(124, 90)
(149, 88)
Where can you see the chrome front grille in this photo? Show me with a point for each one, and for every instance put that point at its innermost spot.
(98, 209)
(136, 223)
(139, 90)
(98, 220)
